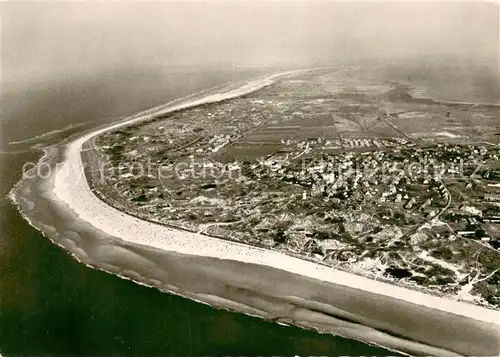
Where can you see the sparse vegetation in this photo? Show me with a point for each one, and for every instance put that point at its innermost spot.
(339, 192)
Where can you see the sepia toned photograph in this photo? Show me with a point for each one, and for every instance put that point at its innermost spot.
(270, 178)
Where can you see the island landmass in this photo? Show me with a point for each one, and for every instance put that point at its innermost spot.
(328, 166)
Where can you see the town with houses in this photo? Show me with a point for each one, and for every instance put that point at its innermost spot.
(348, 172)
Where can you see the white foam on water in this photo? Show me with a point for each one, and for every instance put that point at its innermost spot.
(71, 187)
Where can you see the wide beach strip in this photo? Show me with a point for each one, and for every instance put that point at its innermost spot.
(72, 188)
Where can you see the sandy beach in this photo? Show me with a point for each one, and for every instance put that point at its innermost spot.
(229, 275)
(71, 187)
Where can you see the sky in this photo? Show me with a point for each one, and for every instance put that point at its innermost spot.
(48, 38)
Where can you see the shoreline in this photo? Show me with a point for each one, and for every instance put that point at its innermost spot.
(92, 211)
(222, 249)
(415, 89)
(360, 273)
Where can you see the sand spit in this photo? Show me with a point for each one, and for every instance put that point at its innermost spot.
(230, 275)
(282, 296)
(71, 187)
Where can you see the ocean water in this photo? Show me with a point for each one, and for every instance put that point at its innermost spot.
(51, 305)
(454, 82)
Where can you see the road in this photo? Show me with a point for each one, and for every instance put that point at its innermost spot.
(385, 120)
(439, 214)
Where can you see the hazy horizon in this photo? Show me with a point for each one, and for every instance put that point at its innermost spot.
(59, 39)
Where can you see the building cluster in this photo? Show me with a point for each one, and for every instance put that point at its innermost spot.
(361, 174)
(309, 182)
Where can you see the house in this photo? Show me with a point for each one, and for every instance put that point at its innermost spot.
(410, 203)
(465, 233)
(492, 198)
(426, 204)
